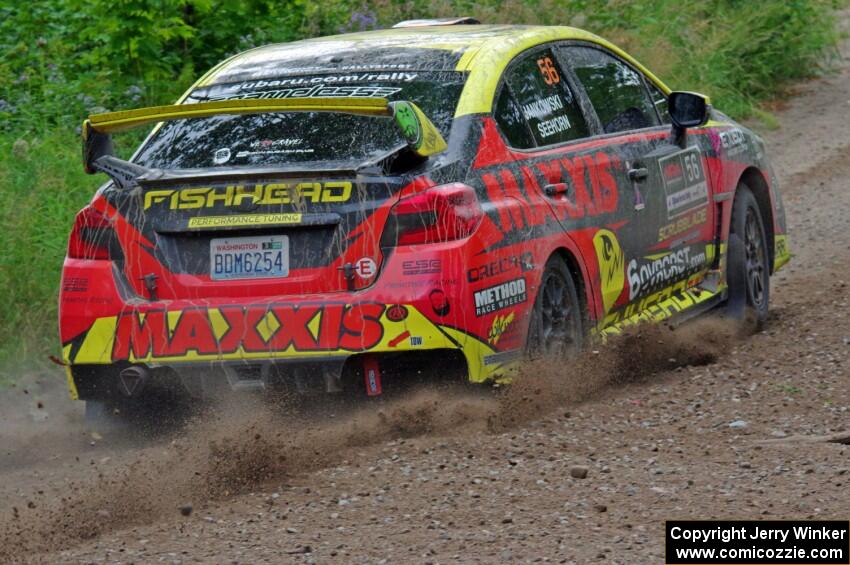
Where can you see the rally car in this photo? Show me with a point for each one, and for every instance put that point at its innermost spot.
(320, 214)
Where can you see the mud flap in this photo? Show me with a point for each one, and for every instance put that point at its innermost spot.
(736, 273)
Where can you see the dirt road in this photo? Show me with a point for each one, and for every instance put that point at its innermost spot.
(668, 425)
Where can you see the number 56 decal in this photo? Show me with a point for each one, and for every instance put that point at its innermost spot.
(684, 181)
(548, 70)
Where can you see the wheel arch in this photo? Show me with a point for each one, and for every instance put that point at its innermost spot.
(754, 179)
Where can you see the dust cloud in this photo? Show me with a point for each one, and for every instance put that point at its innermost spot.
(248, 442)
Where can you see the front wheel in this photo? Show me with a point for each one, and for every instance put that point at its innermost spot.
(748, 268)
(556, 328)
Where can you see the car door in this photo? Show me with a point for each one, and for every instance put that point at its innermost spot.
(556, 162)
(669, 237)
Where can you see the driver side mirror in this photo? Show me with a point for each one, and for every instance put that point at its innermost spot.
(687, 110)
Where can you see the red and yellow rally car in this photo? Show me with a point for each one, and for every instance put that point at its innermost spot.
(315, 214)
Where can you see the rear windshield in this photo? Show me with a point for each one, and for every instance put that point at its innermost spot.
(285, 138)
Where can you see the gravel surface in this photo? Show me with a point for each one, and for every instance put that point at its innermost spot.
(690, 425)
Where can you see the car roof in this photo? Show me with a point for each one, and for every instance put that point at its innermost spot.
(482, 51)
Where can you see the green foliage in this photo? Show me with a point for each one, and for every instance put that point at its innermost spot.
(63, 59)
(41, 187)
(142, 38)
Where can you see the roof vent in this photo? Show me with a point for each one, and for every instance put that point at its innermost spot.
(438, 22)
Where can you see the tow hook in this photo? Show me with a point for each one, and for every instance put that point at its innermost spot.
(372, 375)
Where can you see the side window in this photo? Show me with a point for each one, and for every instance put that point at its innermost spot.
(511, 122)
(616, 91)
(542, 99)
(660, 101)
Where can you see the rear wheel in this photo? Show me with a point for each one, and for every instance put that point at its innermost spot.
(748, 268)
(556, 328)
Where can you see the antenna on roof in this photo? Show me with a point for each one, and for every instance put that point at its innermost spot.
(465, 20)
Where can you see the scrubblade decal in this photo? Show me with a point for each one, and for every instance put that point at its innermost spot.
(657, 306)
(683, 224)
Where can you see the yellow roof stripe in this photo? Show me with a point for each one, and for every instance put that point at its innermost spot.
(488, 62)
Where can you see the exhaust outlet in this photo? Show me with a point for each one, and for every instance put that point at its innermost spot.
(133, 378)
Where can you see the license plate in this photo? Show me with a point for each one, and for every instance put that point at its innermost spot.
(259, 257)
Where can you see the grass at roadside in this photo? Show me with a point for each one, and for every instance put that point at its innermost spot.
(41, 187)
(740, 53)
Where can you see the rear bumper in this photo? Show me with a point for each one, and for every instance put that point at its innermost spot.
(101, 325)
(300, 377)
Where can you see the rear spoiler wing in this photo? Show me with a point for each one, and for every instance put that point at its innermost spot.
(422, 136)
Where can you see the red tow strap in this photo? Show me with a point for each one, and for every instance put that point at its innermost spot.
(372, 375)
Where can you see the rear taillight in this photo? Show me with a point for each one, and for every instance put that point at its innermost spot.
(91, 236)
(442, 213)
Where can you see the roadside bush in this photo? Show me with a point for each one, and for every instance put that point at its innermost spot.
(65, 58)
